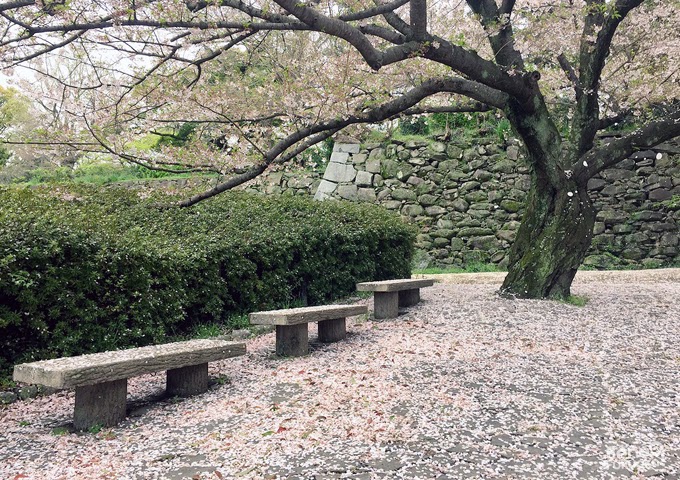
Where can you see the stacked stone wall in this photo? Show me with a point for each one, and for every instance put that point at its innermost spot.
(468, 200)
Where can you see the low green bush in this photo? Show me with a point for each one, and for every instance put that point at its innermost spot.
(85, 270)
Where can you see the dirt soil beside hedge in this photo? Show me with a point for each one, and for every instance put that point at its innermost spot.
(463, 385)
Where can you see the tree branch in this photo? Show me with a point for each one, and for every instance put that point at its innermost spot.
(6, 6)
(51, 48)
(609, 121)
(322, 130)
(499, 30)
(333, 26)
(373, 12)
(613, 152)
(141, 161)
(507, 7)
(384, 33)
(254, 171)
(464, 108)
(600, 25)
(571, 73)
(396, 22)
(418, 19)
(469, 63)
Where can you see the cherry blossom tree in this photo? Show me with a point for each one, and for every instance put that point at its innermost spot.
(14, 116)
(283, 75)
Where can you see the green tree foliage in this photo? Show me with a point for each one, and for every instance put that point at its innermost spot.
(181, 137)
(13, 111)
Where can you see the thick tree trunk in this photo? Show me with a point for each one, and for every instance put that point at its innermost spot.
(557, 227)
(551, 243)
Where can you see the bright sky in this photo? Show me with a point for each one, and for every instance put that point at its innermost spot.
(18, 74)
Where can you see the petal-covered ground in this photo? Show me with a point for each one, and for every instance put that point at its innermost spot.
(463, 385)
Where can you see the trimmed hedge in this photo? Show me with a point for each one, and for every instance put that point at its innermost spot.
(85, 270)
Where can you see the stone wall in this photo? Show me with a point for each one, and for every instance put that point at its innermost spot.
(468, 201)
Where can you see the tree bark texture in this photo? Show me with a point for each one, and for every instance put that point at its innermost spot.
(551, 243)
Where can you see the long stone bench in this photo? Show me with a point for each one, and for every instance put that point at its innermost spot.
(100, 379)
(292, 336)
(389, 295)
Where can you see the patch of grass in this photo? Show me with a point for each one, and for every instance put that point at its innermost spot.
(402, 137)
(577, 300)
(59, 431)
(295, 303)
(437, 270)
(376, 136)
(94, 429)
(502, 129)
(147, 142)
(209, 330)
(469, 268)
(222, 380)
(107, 435)
(238, 322)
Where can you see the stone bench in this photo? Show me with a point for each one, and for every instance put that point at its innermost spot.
(389, 295)
(100, 379)
(292, 337)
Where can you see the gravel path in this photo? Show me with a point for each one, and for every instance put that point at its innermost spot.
(463, 385)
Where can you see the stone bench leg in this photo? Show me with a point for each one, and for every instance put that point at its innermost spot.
(385, 305)
(187, 381)
(408, 298)
(100, 405)
(332, 330)
(292, 340)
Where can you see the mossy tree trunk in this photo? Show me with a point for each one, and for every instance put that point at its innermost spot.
(551, 243)
(557, 226)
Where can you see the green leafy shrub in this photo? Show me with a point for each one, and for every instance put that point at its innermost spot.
(85, 270)
(178, 139)
(439, 122)
(48, 175)
(414, 126)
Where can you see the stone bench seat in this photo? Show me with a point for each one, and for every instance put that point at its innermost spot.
(292, 336)
(100, 379)
(389, 295)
